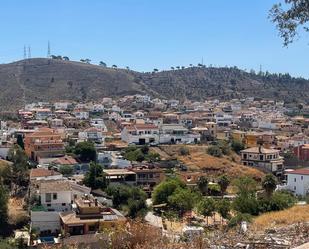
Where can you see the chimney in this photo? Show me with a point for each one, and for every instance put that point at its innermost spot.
(96, 202)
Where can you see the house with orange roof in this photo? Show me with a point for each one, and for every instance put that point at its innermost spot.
(44, 174)
(43, 143)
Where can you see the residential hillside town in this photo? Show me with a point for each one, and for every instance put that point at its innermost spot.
(88, 174)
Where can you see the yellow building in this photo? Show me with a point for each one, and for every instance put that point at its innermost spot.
(238, 135)
(252, 139)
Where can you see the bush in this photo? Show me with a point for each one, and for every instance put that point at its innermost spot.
(135, 155)
(183, 151)
(277, 201)
(214, 189)
(165, 189)
(132, 199)
(225, 147)
(237, 146)
(237, 219)
(66, 170)
(246, 204)
(214, 150)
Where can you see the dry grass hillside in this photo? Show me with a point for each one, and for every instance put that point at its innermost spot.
(293, 215)
(42, 79)
(199, 160)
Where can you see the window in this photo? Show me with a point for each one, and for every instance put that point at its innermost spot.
(48, 197)
(48, 205)
(261, 157)
(54, 196)
(63, 204)
(302, 177)
(294, 188)
(294, 179)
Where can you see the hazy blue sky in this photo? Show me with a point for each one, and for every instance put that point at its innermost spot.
(147, 34)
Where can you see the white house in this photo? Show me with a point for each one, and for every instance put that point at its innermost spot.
(167, 133)
(177, 133)
(92, 134)
(81, 114)
(98, 123)
(58, 195)
(298, 181)
(55, 195)
(62, 105)
(56, 122)
(113, 159)
(140, 134)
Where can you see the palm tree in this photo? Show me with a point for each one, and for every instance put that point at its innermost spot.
(269, 184)
(202, 185)
(178, 67)
(155, 70)
(172, 68)
(223, 182)
(114, 66)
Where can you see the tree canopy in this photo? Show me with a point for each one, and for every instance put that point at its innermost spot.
(165, 189)
(85, 151)
(95, 178)
(3, 206)
(290, 16)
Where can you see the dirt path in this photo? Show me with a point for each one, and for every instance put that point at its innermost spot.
(163, 154)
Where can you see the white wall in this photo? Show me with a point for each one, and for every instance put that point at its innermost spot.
(299, 184)
(62, 197)
(44, 221)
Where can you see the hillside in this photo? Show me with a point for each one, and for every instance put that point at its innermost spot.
(199, 160)
(51, 80)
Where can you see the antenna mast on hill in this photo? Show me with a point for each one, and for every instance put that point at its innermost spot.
(25, 52)
(29, 52)
(48, 50)
(260, 68)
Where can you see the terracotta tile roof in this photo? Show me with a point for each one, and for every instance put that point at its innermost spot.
(65, 160)
(260, 150)
(299, 172)
(146, 126)
(54, 185)
(42, 173)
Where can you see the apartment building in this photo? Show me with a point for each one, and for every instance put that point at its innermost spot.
(43, 143)
(260, 157)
